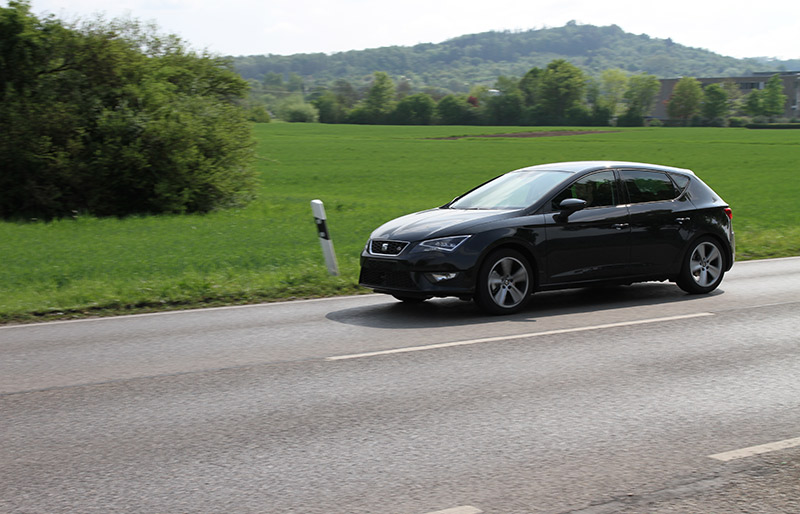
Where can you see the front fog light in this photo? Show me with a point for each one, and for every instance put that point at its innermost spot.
(441, 277)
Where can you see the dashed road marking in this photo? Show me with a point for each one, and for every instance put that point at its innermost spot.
(756, 450)
(517, 336)
(466, 509)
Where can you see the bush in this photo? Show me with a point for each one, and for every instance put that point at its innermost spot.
(737, 121)
(416, 109)
(258, 114)
(109, 119)
(299, 113)
(773, 126)
(655, 122)
(456, 110)
(630, 119)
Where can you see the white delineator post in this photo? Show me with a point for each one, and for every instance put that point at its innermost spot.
(324, 236)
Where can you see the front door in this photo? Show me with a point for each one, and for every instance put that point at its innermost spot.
(593, 243)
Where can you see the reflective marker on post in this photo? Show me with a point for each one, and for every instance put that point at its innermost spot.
(324, 236)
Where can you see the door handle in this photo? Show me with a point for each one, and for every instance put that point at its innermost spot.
(682, 220)
(620, 226)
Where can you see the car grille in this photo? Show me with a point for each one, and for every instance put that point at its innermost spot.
(378, 247)
(376, 277)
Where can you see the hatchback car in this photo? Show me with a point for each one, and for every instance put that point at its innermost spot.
(555, 226)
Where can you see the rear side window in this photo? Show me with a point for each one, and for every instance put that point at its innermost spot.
(681, 180)
(648, 186)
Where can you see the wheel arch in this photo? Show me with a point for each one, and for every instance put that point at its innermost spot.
(721, 241)
(520, 247)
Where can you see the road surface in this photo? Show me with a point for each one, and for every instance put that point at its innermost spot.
(631, 399)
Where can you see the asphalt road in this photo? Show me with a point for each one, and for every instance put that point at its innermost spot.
(597, 401)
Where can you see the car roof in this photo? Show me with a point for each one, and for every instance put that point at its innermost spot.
(580, 166)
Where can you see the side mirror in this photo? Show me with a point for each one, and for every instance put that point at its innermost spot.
(569, 206)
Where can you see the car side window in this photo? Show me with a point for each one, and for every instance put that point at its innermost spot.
(648, 186)
(597, 189)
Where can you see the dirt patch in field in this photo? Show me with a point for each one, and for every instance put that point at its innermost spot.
(544, 133)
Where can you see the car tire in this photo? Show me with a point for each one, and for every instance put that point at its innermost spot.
(703, 267)
(505, 282)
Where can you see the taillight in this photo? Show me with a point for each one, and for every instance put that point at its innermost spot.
(729, 212)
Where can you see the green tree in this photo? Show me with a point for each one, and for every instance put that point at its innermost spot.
(734, 94)
(273, 80)
(379, 101)
(345, 93)
(613, 84)
(642, 93)
(754, 103)
(715, 104)
(380, 97)
(529, 85)
(111, 118)
(417, 109)
(687, 96)
(774, 99)
(455, 110)
(505, 107)
(561, 88)
(295, 83)
(403, 88)
(329, 108)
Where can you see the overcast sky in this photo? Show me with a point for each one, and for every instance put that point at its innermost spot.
(253, 27)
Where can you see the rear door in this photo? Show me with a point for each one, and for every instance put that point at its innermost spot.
(660, 219)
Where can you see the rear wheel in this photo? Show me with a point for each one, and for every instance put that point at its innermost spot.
(703, 267)
(505, 282)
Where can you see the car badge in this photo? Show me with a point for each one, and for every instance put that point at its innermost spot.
(385, 247)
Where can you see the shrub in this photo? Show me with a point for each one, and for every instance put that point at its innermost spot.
(655, 122)
(773, 126)
(715, 122)
(299, 113)
(737, 121)
(630, 119)
(258, 114)
(112, 119)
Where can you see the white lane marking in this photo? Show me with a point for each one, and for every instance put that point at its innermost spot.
(466, 509)
(756, 450)
(516, 336)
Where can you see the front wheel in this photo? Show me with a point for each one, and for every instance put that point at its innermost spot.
(703, 267)
(505, 282)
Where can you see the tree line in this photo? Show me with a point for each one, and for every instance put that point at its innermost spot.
(558, 94)
(719, 104)
(458, 63)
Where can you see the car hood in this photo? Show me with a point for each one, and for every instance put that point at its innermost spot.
(436, 223)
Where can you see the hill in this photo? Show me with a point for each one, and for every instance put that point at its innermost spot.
(459, 63)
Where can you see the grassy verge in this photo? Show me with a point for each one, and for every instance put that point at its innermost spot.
(365, 175)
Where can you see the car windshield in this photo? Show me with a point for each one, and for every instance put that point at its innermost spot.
(514, 190)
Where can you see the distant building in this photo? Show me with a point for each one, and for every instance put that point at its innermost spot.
(791, 88)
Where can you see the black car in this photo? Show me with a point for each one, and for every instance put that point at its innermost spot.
(554, 226)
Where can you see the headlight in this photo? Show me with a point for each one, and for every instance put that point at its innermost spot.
(448, 244)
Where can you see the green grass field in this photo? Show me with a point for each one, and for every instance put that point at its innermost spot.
(365, 175)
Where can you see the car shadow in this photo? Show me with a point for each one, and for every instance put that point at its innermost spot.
(446, 312)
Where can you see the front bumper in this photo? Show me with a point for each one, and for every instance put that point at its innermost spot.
(413, 276)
